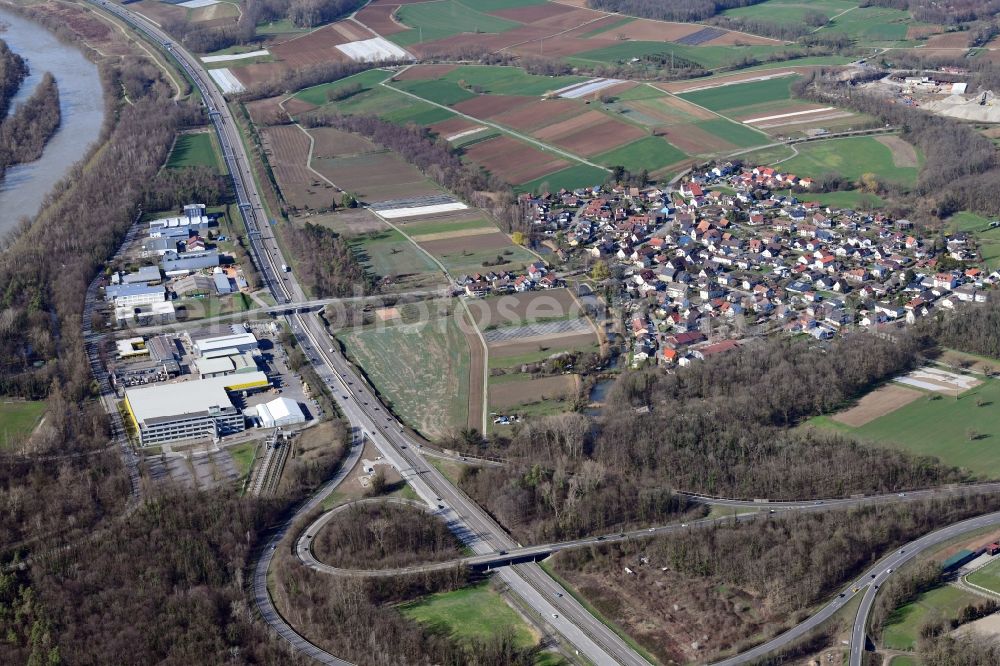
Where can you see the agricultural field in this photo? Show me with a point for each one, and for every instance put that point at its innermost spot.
(384, 252)
(526, 308)
(287, 150)
(467, 254)
(742, 95)
(903, 628)
(195, 149)
(939, 425)
(650, 153)
(18, 420)
(431, 21)
(525, 395)
(707, 56)
(422, 370)
(852, 156)
(470, 613)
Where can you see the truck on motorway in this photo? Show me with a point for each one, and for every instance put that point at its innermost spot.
(284, 268)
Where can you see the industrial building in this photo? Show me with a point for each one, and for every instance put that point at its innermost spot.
(145, 275)
(279, 413)
(239, 342)
(133, 294)
(162, 312)
(186, 262)
(223, 365)
(189, 410)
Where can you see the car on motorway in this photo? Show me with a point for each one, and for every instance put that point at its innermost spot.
(555, 615)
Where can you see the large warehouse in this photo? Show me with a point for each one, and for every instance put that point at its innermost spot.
(189, 410)
(280, 412)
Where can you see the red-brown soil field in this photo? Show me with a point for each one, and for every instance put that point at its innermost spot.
(424, 72)
(538, 114)
(379, 19)
(590, 133)
(487, 106)
(514, 161)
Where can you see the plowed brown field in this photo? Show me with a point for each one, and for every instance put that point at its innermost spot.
(514, 161)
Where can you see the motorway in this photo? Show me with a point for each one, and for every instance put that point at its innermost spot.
(586, 635)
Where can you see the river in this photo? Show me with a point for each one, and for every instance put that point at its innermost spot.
(81, 103)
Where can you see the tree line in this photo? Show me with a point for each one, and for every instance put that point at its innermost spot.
(24, 134)
(687, 11)
(13, 70)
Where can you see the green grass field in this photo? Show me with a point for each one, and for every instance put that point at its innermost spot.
(243, 457)
(569, 178)
(318, 95)
(904, 624)
(18, 420)
(651, 153)
(436, 90)
(421, 369)
(726, 98)
(436, 20)
(501, 80)
(901, 660)
(847, 199)
(194, 150)
(537, 355)
(787, 11)
(389, 253)
(850, 157)
(871, 24)
(734, 133)
(471, 613)
(940, 428)
(461, 262)
(709, 57)
(988, 577)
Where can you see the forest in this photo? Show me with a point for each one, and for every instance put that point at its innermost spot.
(737, 583)
(385, 536)
(24, 134)
(571, 477)
(13, 70)
(326, 263)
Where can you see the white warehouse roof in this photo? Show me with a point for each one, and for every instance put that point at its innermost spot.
(237, 341)
(279, 412)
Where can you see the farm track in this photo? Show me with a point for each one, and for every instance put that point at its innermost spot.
(527, 139)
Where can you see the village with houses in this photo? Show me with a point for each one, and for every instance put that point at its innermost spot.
(725, 256)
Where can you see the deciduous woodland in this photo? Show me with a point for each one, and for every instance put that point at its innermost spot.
(325, 261)
(382, 536)
(13, 70)
(24, 134)
(732, 585)
(681, 432)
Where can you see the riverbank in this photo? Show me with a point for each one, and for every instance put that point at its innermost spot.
(26, 187)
